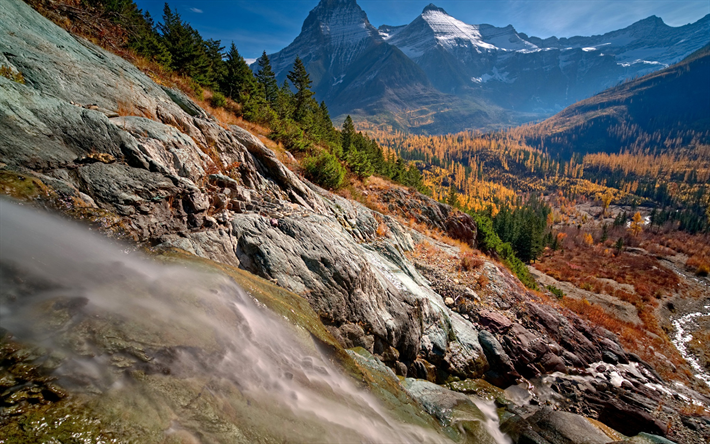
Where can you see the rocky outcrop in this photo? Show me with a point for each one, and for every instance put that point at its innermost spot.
(104, 135)
(426, 211)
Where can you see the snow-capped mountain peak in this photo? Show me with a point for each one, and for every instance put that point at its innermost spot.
(436, 28)
(451, 32)
(340, 22)
(339, 27)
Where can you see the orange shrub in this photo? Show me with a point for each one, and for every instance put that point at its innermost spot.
(483, 280)
(470, 262)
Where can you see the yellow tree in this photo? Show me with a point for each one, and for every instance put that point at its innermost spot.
(636, 226)
(588, 240)
(606, 201)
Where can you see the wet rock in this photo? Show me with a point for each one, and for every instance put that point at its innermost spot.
(422, 369)
(502, 372)
(481, 389)
(454, 410)
(609, 357)
(626, 418)
(566, 428)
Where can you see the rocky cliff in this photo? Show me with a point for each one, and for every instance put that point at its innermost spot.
(90, 135)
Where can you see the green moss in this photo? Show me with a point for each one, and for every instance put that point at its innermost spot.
(479, 388)
(22, 186)
(11, 74)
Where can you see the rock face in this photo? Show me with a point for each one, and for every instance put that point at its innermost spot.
(261, 217)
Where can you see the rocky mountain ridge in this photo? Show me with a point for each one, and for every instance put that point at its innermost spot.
(494, 76)
(493, 61)
(667, 104)
(355, 71)
(93, 136)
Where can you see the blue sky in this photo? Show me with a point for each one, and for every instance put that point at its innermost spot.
(258, 25)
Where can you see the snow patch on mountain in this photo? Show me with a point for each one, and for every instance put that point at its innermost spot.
(494, 75)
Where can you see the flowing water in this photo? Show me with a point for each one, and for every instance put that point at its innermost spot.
(684, 328)
(128, 328)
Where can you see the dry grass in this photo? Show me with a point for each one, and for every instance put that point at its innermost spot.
(583, 266)
(695, 410)
(382, 230)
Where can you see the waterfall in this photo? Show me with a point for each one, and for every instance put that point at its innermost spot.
(187, 324)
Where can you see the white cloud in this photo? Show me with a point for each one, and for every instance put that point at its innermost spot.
(250, 61)
(196, 10)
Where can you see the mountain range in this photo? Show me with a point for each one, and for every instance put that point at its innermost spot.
(438, 74)
(657, 111)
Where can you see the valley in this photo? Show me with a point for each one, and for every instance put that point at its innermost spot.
(193, 252)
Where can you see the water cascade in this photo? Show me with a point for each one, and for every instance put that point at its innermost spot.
(171, 348)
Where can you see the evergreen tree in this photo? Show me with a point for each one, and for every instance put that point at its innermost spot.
(284, 102)
(452, 198)
(267, 79)
(304, 96)
(237, 78)
(347, 135)
(146, 42)
(186, 47)
(215, 54)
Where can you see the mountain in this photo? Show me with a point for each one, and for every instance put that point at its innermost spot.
(245, 304)
(355, 71)
(533, 75)
(673, 103)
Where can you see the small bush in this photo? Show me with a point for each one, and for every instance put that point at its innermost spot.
(470, 262)
(218, 100)
(288, 133)
(325, 170)
(197, 89)
(9, 73)
(483, 280)
(556, 291)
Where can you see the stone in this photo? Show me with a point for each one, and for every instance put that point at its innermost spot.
(494, 321)
(449, 302)
(501, 372)
(626, 418)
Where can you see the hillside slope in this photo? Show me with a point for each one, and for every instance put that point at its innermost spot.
(641, 113)
(93, 137)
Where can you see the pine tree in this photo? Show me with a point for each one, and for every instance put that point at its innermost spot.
(284, 102)
(238, 78)
(347, 135)
(304, 96)
(187, 49)
(267, 79)
(452, 198)
(215, 54)
(145, 41)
